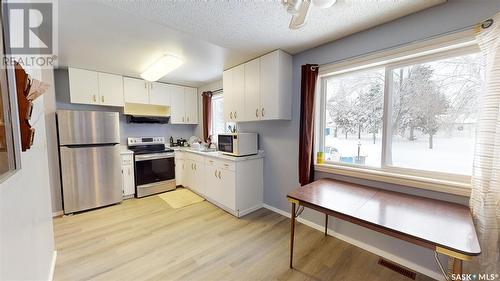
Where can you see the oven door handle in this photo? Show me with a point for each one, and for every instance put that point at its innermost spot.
(154, 156)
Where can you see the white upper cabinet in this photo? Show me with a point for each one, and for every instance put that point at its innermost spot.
(91, 87)
(260, 89)
(234, 89)
(83, 86)
(159, 94)
(135, 90)
(191, 105)
(227, 85)
(238, 101)
(110, 89)
(183, 105)
(97, 88)
(276, 86)
(177, 111)
(252, 90)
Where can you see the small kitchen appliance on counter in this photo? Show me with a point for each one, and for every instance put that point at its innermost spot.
(181, 142)
(238, 144)
(154, 165)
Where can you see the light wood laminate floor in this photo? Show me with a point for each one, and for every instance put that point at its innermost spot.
(145, 239)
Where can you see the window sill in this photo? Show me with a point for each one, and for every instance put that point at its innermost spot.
(444, 186)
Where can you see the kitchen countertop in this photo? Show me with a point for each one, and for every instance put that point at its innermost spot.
(218, 154)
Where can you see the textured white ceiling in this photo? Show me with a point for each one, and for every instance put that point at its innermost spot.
(263, 25)
(126, 35)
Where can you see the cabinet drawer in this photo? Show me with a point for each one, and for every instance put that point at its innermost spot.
(220, 164)
(227, 165)
(127, 159)
(210, 162)
(196, 158)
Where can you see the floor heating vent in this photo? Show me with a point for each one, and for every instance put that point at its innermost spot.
(401, 270)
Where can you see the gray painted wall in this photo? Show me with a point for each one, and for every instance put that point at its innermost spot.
(279, 139)
(62, 101)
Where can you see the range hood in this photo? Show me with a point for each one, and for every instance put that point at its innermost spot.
(146, 113)
(147, 119)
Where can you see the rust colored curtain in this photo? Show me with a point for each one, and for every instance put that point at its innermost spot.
(306, 133)
(207, 114)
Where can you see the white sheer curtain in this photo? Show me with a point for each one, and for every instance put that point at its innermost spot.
(485, 196)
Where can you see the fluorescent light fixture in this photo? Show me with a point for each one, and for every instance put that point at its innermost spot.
(161, 67)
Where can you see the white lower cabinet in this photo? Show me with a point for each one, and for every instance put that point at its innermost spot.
(189, 175)
(221, 186)
(195, 175)
(128, 178)
(180, 168)
(235, 186)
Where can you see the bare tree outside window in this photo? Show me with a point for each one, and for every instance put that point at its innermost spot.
(434, 111)
(354, 104)
(432, 115)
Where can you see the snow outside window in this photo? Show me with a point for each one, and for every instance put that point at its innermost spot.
(417, 116)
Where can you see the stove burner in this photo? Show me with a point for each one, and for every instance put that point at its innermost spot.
(147, 145)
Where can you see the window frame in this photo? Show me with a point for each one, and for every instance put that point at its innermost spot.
(10, 108)
(217, 96)
(433, 180)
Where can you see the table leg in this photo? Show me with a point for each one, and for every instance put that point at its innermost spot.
(292, 233)
(326, 224)
(457, 266)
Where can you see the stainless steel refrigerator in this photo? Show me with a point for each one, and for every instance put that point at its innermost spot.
(89, 154)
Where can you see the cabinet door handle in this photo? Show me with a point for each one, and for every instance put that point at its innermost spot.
(182, 119)
(93, 98)
(145, 85)
(235, 115)
(102, 98)
(257, 112)
(129, 171)
(187, 118)
(151, 86)
(220, 177)
(262, 112)
(231, 115)
(215, 173)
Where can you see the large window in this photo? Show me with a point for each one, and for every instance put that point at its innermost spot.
(415, 116)
(354, 107)
(218, 125)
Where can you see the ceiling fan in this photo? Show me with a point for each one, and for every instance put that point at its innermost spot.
(299, 9)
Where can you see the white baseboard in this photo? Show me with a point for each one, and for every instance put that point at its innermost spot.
(57, 214)
(52, 266)
(249, 210)
(360, 244)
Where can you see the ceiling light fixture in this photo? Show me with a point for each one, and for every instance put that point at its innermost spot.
(161, 67)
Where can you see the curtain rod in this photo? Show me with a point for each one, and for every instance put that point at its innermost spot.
(217, 91)
(470, 27)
